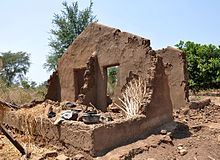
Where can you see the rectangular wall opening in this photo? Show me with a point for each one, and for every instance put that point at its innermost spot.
(112, 81)
(78, 81)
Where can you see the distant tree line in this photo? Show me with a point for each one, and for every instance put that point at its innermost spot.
(203, 65)
(14, 85)
(203, 61)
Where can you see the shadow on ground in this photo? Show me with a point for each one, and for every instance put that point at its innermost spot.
(181, 131)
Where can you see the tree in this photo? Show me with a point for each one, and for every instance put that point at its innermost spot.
(203, 64)
(15, 66)
(112, 80)
(67, 26)
(28, 84)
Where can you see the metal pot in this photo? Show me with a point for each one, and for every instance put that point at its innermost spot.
(90, 118)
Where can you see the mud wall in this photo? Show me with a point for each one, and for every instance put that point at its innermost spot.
(97, 139)
(112, 47)
(157, 108)
(112, 135)
(87, 93)
(160, 102)
(53, 87)
(175, 63)
(94, 140)
(129, 52)
(71, 135)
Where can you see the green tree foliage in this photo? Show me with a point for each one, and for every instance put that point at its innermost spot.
(15, 66)
(203, 65)
(112, 80)
(28, 84)
(67, 26)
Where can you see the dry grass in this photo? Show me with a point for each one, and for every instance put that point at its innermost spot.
(17, 95)
(133, 96)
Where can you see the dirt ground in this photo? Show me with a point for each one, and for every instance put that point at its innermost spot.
(194, 135)
(9, 152)
(197, 132)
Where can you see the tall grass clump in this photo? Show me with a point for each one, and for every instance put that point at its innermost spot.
(133, 97)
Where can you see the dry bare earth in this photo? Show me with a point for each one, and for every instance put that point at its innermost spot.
(9, 152)
(198, 133)
(195, 135)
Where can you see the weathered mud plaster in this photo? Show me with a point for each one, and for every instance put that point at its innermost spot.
(175, 63)
(112, 47)
(97, 139)
(87, 92)
(74, 137)
(53, 85)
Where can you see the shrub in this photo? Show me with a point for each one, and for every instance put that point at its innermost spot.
(203, 65)
(133, 96)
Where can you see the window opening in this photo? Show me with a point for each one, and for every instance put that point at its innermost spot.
(111, 80)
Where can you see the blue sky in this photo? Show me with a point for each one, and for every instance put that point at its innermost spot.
(25, 24)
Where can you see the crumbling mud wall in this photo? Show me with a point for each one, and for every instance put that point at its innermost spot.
(53, 87)
(73, 137)
(175, 63)
(160, 102)
(97, 139)
(88, 90)
(112, 47)
(155, 111)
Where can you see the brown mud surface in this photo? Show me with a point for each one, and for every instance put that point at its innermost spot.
(194, 135)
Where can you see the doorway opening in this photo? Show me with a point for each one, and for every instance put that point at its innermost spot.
(78, 81)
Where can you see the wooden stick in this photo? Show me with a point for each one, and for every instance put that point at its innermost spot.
(12, 140)
(9, 105)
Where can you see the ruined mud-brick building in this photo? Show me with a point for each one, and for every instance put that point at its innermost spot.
(82, 76)
(82, 70)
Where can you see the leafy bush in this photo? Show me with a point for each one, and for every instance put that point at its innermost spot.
(203, 65)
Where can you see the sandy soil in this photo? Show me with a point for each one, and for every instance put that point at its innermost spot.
(194, 135)
(198, 133)
(9, 152)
